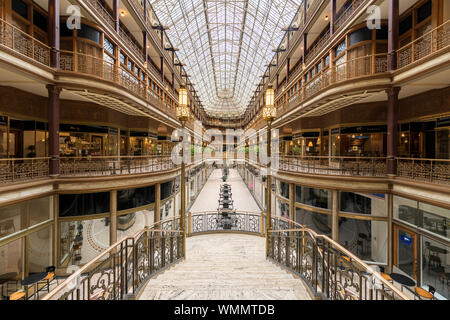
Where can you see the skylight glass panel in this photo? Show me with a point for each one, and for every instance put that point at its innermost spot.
(225, 45)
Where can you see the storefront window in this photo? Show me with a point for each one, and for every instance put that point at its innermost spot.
(283, 209)
(131, 223)
(82, 241)
(83, 141)
(17, 217)
(427, 217)
(366, 239)
(40, 250)
(434, 267)
(11, 258)
(370, 204)
(318, 222)
(135, 198)
(283, 189)
(71, 205)
(313, 197)
(167, 189)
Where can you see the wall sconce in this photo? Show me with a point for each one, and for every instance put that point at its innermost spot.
(326, 18)
(310, 144)
(122, 13)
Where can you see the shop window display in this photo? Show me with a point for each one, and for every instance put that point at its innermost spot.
(318, 222)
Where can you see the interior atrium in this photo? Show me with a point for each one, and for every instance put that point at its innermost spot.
(225, 149)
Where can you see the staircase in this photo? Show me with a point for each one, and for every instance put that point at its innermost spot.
(225, 267)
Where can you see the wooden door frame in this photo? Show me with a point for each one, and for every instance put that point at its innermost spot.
(416, 248)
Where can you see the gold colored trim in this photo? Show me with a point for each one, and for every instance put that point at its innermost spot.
(362, 217)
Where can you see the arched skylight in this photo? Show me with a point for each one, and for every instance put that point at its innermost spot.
(226, 45)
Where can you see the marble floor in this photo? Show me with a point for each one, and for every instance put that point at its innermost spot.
(207, 200)
(225, 267)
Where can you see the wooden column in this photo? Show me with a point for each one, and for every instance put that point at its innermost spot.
(335, 215)
(393, 34)
(53, 128)
(288, 66)
(276, 85)
(332, 15)
(162, 68)
(305, 47)
(55, 231)
(116, 15)
(144, 46)
(113, 217)
(392, 134)
(390, 208)
(157, 202)
(292, 201)
(53, 32)
(173, 82)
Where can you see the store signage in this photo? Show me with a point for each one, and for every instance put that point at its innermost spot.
(3, 120)
(405, 239)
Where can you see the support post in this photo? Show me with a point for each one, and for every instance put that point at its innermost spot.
(269, 188)
(393, 34)
(116, 15)
(113, 217)
(392, 134)
(53, 128)
(335, 215)
(332, 15)
(156, 216)
(53, 32)
(183, 201)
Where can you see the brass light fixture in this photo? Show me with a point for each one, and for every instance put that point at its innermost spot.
(269, 110)
(183, 112)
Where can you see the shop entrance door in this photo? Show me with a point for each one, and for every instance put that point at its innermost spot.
(406, 251)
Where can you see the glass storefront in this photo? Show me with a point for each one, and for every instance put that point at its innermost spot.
(313, 197)
(365, 238)
(131, 223)
(319, 222)
(365, 204)
(422, 248)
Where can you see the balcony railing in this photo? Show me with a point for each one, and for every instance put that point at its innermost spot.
(349, 70)
(20, 42)
(348, 13)
(240, 221)
(343, 166)
(431, 42)
(330, 270)
(18, 170)
(430, 170)
(86, 64)
(101, 166)
(102, 11)
(124, 268)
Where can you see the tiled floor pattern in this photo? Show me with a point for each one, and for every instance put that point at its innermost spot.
(225, 266)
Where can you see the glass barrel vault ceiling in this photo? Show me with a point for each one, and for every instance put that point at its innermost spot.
(226, 45)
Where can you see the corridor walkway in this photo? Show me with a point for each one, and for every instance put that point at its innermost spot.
(208, 197)
(225, 267)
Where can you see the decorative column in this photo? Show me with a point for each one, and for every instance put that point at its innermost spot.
(144, 46)
(53, 128)
(392, 128)
(162, 68)
(390, 204)
(157, 203)
(305, 46)
(332, 15)
(113, 217)
(116, 15)
(269, 189)
(335, 215)
(53, 32)
(292, 201)
(393, 34)
(288, 66)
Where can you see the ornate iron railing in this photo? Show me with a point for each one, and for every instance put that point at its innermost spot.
(345, 166)
(124, 268)
(20, 42)
(431, 170)
(17, 170)
(431, 42)
(241, 221)
(100, 166)
(330, 270)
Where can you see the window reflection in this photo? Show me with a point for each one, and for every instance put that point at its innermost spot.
(319, 222)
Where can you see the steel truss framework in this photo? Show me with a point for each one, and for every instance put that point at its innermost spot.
(225, 45)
